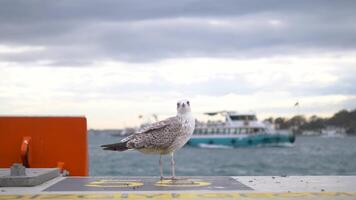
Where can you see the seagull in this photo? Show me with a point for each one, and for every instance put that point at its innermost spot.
(162, 137)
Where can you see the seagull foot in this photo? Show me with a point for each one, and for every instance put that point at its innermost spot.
(173, 178)
(164, 178)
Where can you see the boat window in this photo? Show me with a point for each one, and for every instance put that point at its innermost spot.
(252, 117)
(235, 118)
(243, 117)
(205, 131)
(243, 130)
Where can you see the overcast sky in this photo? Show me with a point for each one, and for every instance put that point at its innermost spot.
(114, 60)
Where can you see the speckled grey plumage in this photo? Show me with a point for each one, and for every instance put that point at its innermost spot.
(162, 137)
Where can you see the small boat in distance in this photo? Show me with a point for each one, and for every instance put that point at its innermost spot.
(333, 132)
(238, 130)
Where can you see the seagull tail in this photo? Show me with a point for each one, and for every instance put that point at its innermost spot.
(121, 146)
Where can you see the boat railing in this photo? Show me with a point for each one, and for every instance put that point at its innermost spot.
(228, 130)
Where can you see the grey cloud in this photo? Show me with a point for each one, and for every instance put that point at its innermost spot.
(220, 86)
(345, 85)
(22, 11)
(349, 103)
(79, 32)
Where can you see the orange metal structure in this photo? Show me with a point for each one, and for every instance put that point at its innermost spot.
(42, 142)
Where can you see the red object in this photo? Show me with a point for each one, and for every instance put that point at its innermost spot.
(60, 165)
(25, 151)
(45, 142)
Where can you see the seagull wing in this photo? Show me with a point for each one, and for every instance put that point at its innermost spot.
(147, 128)
(157, 135)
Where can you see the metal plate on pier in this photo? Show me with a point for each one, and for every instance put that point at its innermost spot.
(146, 184)
(31, 176)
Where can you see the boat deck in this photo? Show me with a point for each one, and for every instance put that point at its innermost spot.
(237, 187)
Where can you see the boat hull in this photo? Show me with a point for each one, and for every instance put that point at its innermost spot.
(242, 140)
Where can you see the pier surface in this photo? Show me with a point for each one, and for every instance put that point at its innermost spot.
(195, 187)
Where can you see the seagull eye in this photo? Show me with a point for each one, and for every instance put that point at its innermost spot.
(188, 103)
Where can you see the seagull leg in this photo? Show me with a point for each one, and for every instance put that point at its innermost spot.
(160, 166)
(173, 166)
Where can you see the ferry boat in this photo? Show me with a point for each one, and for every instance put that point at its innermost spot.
(238, 130)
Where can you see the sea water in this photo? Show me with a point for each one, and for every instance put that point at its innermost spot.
(307, 156)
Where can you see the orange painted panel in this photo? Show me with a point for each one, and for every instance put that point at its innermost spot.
(53, 140)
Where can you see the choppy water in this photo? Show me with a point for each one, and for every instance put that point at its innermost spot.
(307, 156)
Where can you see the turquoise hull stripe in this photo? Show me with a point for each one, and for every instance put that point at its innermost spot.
(258, 139)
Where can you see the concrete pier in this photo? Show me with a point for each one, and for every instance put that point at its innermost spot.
(196, 187)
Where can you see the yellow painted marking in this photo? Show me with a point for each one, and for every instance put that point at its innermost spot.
(11, 196)
(182, 183)
(196, 195)
(149, 196)
(114, 183)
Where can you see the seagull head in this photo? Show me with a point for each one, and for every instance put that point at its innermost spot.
(183, 107)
